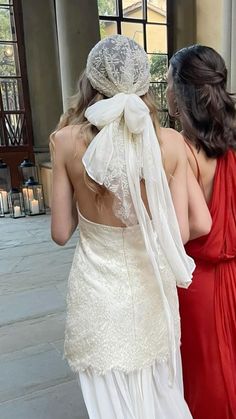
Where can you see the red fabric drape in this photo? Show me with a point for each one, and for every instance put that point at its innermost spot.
(208, 307)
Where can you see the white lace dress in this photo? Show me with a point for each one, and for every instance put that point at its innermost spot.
(116, 333)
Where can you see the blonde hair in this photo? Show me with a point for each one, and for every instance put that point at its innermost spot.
(85, 97)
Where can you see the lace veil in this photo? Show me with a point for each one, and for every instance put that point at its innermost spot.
(126, 150)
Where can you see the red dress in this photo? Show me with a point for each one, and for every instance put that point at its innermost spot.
(208, 307)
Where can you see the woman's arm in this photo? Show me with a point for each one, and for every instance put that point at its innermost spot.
(178, 188)
(64, 216)
(191, 209)
(199, 216)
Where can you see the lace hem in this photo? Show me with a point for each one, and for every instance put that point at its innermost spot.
(79, 366)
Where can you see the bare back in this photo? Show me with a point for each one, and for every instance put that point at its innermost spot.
(204, 169)
(74, 148)
(71, 192)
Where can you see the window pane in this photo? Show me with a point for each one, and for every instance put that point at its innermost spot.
(156, 11)
(156, 39)
(7, 25)
(15, 128)
(133, 31)
(12, 94)
(133, 9)
(107, 7)
(107, 28)
(9, 62)
(158, 67)
(159, 92)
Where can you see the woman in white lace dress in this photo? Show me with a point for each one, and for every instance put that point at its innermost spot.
(122, 330)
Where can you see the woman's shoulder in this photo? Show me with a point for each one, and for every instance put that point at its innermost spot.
(169, 134)
(68, 133)
(173, 144)
(65, 138)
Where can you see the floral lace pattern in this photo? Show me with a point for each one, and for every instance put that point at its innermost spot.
(115, 314)
(126, 67)
(116, 180)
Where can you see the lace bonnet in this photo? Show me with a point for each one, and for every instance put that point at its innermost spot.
(118, 64)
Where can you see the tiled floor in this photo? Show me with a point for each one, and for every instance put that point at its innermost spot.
(35, 382)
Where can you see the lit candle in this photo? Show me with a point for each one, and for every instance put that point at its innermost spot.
(26, 199)
(1, 206)
(30, 194)
(4, 200)
(34, 206)
(17, 211)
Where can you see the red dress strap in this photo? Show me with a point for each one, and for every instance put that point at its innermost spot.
(199, 177)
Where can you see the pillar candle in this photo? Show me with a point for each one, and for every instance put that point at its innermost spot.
(5, 202)
(34, 206)
(17, 211)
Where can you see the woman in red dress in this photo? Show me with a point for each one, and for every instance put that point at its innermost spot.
(197, 96)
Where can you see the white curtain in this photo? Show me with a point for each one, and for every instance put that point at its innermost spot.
(229, 41)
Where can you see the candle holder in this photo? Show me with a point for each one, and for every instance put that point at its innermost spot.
(16, 203)
(2, 214)
(33, 197)
(27, 170)
(5, 177)
(4, 201)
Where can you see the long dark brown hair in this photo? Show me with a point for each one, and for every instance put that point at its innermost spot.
(206, 110)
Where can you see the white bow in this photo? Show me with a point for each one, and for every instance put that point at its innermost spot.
(106, 111)
(102, 114)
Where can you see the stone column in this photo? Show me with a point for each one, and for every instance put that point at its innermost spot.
(43, 71)
(229, 41)
(184, 15)
(78, 32)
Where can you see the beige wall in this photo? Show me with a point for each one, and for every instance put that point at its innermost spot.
(157, 3)
(209, 23)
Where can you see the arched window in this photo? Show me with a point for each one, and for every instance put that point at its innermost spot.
(148, 22)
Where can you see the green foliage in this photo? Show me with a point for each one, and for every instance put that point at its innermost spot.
(158, 70)
(7, 65)
(106, 7)
(102, 29)
(158, 67)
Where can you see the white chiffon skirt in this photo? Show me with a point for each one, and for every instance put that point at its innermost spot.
(144, 394)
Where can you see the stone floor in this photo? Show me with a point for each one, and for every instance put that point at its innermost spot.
(35, 382)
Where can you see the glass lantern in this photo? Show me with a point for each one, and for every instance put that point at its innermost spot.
(2, 214)
(33, 197)
(16, 203)
(27, 170)
(5, 177)
(4, 201)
